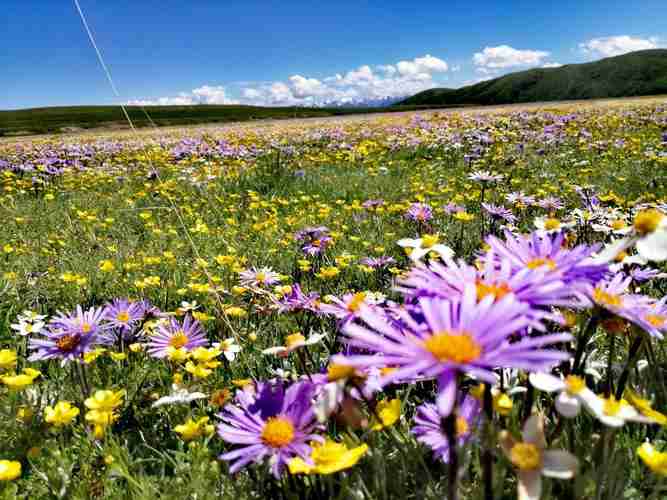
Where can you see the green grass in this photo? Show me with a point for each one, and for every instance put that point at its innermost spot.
(249, 210)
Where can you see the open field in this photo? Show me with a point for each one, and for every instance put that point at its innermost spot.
(76, 120)
(367, 307)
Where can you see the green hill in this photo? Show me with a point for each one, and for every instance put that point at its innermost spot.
(70, 118)
(635, 74)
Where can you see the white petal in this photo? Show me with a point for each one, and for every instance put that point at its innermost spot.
(530, 485)
(533, 431)
(560, 464)
(408, 242)
(654, 246)
(546, 382)
(610, 251)
(274, 350)
(567, 405)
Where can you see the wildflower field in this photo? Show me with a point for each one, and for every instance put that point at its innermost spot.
(438, 305)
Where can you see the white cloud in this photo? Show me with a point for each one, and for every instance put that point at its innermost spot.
(552, 65)
(422, 65)
(617, 45)
(358, 85)
(456, 68)
(504, 56)
(205, 94)
(362, 84)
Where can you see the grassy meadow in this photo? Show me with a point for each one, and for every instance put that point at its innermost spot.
(280, 243)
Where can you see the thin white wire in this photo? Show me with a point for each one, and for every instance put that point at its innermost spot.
(129, 120)
(101, 60)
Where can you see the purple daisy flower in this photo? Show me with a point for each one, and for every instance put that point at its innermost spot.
(69, 336)
(550, 203)
(542, 251)
(345, 308)
(264, 276)
(316, 239)
(419, 212)
(613, 296)
(484, 176)
(188, 335)
(537, 288)
(124, 316)
(446, 337)
(377, 262)
(297, 300)
(520, 198)
(428, 428)
(270, 423)
(499, 212)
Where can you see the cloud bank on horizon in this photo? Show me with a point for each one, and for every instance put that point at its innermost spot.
(384, 84)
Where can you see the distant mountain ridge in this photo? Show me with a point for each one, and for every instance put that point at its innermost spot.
(637, 73)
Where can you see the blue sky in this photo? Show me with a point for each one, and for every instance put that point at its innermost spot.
(293, 52)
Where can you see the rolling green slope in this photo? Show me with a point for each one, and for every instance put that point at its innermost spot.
(635, 74)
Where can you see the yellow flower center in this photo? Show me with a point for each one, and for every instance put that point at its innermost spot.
(339, 372)
(655, 319)
(606, 298)
(498, 290)
(453, 348)
(429, 240)
(526, 456)
(123, 317)
(178, 339)
(618, 224)
(648, 221)
(550, 224)
(356, 302)
(86, 328)
(278, 432)
(611, 406)
(260, 277)
(574, 385)
(294, 339)
(461, 426)
(539, 262)
(67, 343)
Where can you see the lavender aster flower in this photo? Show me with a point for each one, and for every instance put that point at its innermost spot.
(297, 300)
(446, 337)
(499, 212)
(69, 336)
(428, 428)
(419, 212)
(264, 276)
(124, 316)
(188, 335)
(575, 266)
(269, 423)
(612, 295)
(538, 288)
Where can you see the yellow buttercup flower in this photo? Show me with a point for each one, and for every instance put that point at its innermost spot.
(63, 413)
(197, 370)
(328, 457)
(7, 359)
(9, 470)
(388, 411)
(21, 381)
(654, 460)
(105, 400)
(192, 429)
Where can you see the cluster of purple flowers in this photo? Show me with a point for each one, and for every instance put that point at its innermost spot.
(314, 240)
(69, 336)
